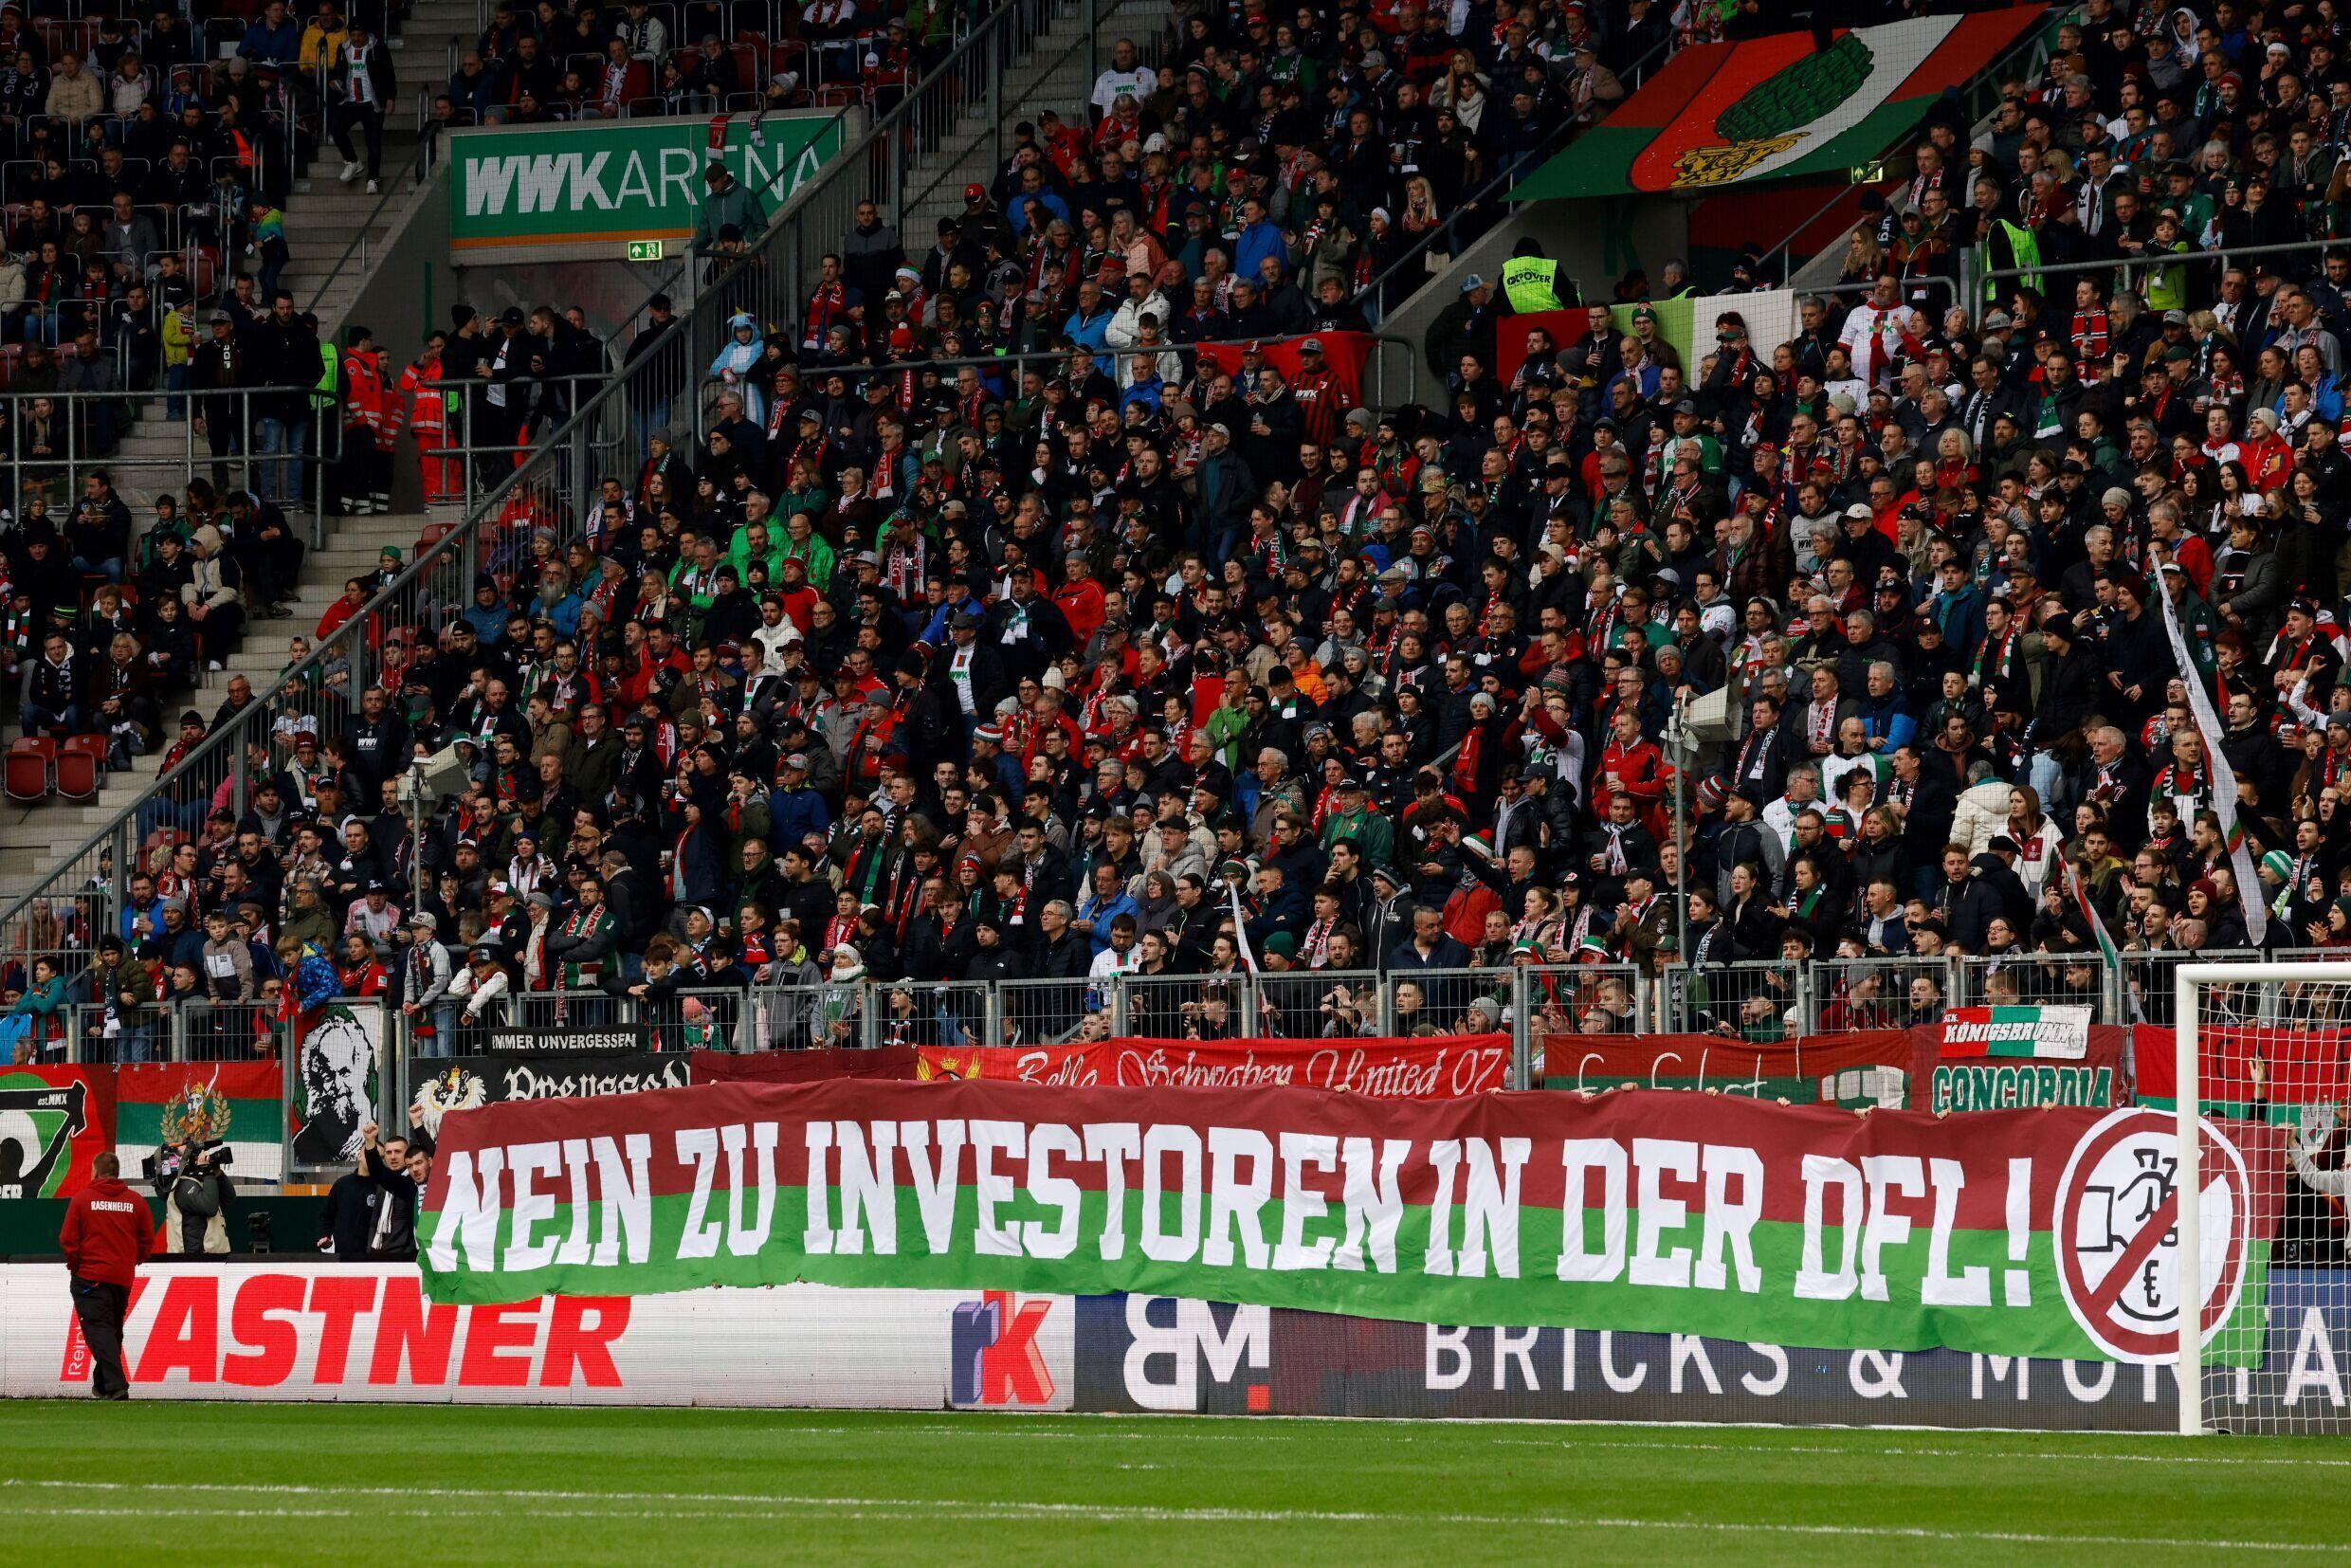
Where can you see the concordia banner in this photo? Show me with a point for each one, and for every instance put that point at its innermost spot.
(2041, 1233)
(1383, 1067)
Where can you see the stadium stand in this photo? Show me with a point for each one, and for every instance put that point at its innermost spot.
(1030, 596)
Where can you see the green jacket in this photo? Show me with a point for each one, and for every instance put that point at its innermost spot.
(1374, 832)
(735, 204)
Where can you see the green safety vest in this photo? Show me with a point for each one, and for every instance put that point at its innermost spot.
(1528, 283)
(2026, 246)
(330, 366)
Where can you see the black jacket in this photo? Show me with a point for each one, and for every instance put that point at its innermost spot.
(347, 1219)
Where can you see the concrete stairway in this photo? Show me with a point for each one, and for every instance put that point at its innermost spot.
(34, 838)
(1055, 75)
(322, 217)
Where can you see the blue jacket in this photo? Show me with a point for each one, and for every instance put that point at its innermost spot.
(797, 813)
(1253, 245)
(1102, 911)
(1882, 719)
(1960, 615)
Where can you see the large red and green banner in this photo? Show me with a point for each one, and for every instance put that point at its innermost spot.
(238, 1103)
(53, 1121)
(2046, 1233)
(1721, 114)
(1383, 1067)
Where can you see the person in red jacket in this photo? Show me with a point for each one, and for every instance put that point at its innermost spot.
(107, 1234)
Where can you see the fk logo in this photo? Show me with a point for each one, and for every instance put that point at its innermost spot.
(993, 1355)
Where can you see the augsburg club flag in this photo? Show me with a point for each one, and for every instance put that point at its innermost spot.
(240, 1103)
(1719, 114)
(2037, 1232)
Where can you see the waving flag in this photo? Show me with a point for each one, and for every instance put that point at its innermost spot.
(2224, 777)
(1720, 114)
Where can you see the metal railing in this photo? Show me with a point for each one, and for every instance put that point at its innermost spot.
(58, 439)
(1977, 281)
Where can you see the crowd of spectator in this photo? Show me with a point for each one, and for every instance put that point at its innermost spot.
(1103, 660)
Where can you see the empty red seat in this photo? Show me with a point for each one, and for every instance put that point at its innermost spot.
(81, 766)
(32, 763)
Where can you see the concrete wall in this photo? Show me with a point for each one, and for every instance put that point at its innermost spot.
(1598, 242)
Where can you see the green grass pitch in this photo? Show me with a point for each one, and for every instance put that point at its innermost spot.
(312, 1483)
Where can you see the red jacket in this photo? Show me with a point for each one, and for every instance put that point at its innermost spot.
(107, 1234)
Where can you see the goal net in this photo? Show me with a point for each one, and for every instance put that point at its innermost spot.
(2256, 1091)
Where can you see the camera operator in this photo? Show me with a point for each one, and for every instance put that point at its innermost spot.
(398, 1167)
(191, 1179)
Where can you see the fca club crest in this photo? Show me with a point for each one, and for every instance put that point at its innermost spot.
(198, 1113)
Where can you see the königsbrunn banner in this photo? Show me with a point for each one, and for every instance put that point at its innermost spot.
(2047, 1233)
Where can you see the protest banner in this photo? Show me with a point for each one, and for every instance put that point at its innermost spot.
(1417, 1068)
(2013, 1233)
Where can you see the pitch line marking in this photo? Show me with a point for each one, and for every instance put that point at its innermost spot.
(2038, 1457)
(756, 1505)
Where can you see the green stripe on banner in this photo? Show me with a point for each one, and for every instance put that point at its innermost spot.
(138, 1129)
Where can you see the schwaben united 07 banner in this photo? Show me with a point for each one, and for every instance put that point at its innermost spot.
(1716, 114)
(1384, 1068)
(2045, 1233)
(543, 192)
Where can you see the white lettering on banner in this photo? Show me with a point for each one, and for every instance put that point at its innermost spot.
(936, 1188)
(575, 1252)
(1237, 1204)
(699, 1146)
(991, 1188)
(1301, 1205)
(1814, 1281)
(746, 1238)
(1490, 1208)
(1516, 1346)
(1763, 1388)
(1728, 1225)
(1973, 1287)
(1112, 1144)
(1903, 1175)
(470, 1209)
(530, 1206)
(1445, 1360)
(1160, 1245)
(625, 1177)
(1576, 1263)
(869, 1186)
(1375, 1204)
(1437, 1258)
(1047, 1141)
(1653, 1158)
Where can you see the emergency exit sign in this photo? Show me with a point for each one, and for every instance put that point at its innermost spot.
(645, 250)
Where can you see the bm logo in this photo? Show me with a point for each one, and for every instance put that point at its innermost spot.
(994, 1356)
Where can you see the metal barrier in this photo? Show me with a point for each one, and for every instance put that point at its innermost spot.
(1890, 993)
(1754, 1001)
(2041, 979)
(2145, 992)
(58, 439)
(1981, 285)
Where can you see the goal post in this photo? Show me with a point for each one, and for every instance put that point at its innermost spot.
(2259, 1290)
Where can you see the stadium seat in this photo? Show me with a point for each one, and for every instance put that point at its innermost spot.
(31, 763)
(81, 766)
